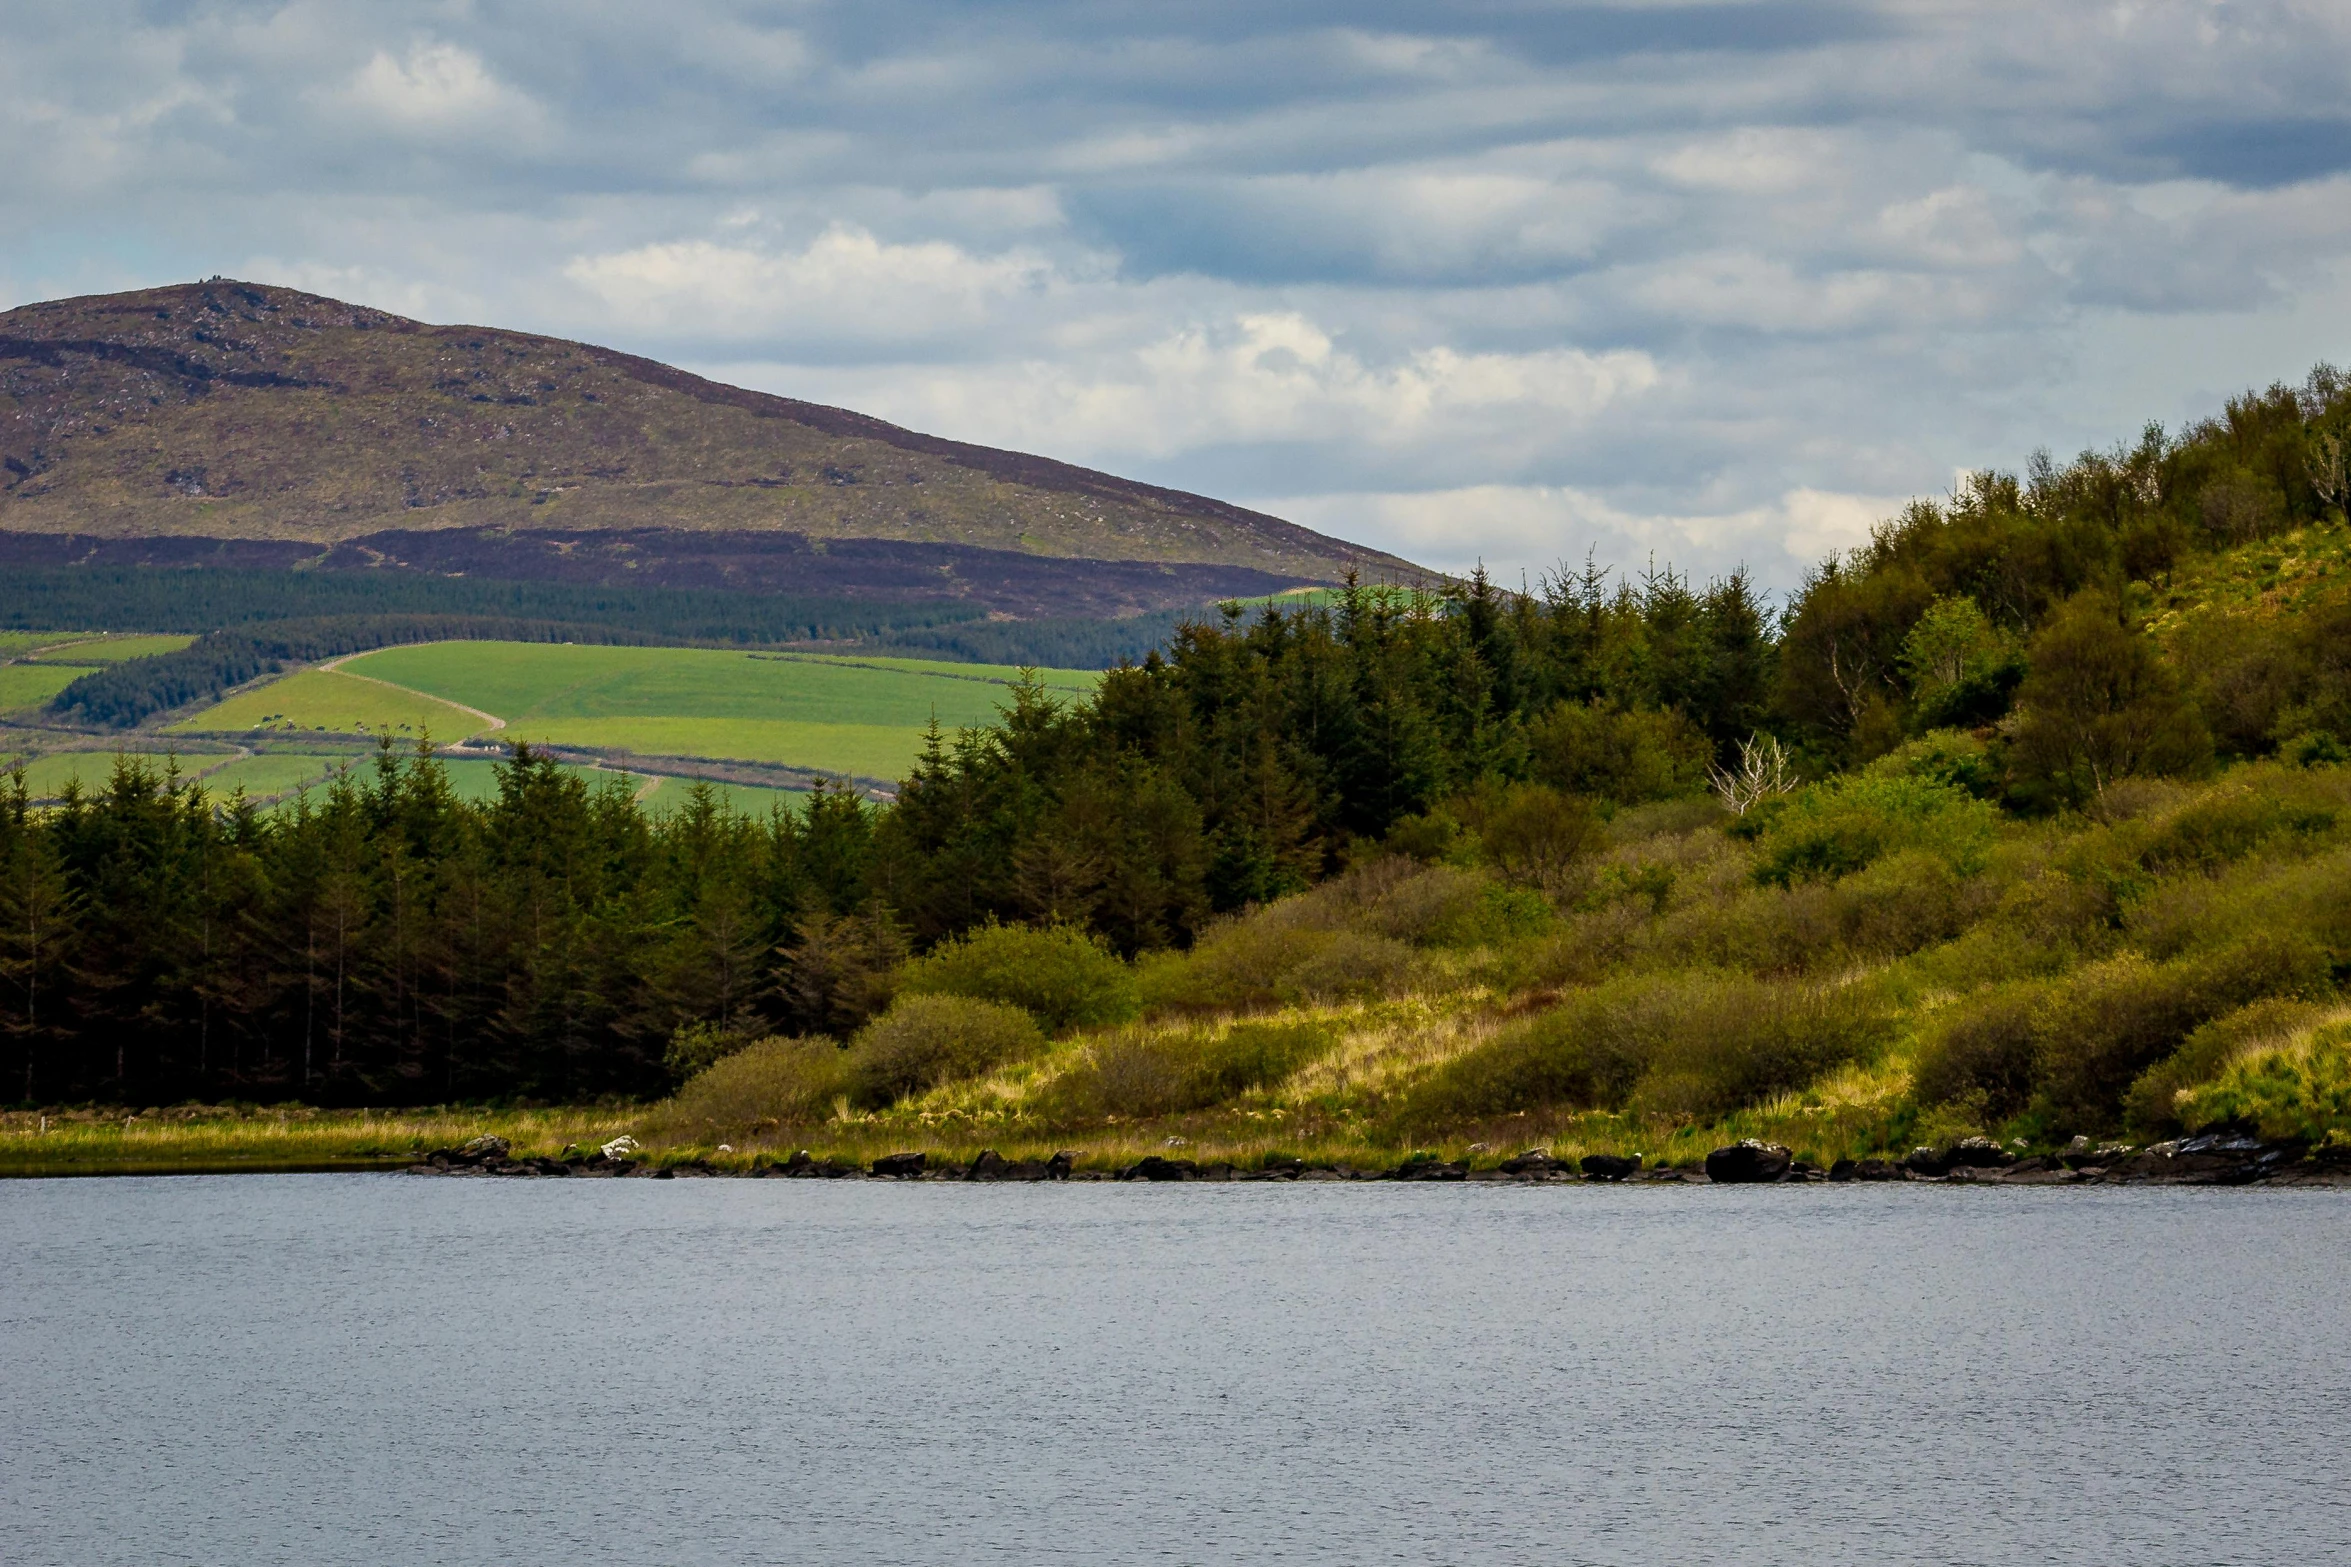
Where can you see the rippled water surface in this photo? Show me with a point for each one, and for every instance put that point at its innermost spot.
(379, 1369)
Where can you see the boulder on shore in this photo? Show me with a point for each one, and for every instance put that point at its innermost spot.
(902, 1165)
(1748, 1161)
(1609, 1166)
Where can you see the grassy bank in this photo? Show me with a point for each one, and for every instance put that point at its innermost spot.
(213, 1139)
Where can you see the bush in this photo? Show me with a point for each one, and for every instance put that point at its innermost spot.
(1834, 829)
(1628, 757)
(2153, 1106)
(770, 1082)
(696, 1046)
(2112, 1021)
(1152, 1072)
(1061, 975)
(1691, 1044)
(923, 1041)
(2299, 1090)
(1985, 1052)
(1324, 945)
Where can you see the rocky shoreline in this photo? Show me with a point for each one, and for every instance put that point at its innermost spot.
(2212, 1159)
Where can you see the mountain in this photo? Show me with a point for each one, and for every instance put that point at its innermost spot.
(235, 423)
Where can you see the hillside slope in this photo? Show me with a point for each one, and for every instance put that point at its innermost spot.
(297, 425)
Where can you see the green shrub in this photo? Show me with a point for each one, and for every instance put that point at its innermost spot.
(696, 1045)
(2298, 1090)
(1534, 834)
(2111, 1021)
(926, 1040)
(1144, 1072)
(772, 1081)
(1985, 1051)
(1315, 947)
(2152, 1107)
(1061, 975)
(1688, 1044)
(1834, 829)
(1590, 749)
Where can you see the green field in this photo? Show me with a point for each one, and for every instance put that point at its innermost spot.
(89, 651)
(323, 701)
(864, 717)
(29, 685)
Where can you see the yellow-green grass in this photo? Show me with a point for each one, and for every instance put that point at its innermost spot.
(540, 681)
(16, 644)
(109, 649)
(328, 701)
(200, 1138)
(830, 713)
(25, 686)
(265, 778)
(1081, 681)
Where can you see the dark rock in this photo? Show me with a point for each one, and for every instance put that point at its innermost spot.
(1927, 1161)
(1057, 1168)
(1609, 1166)
(484, 1149)
(1843, 1169)
(1535, 1161)
(901, 1165)
(665, 1173)
(989, 1166)
(1026, 1170)
(1153, 1167)
(1748, 1161)
(1430, 1170)
(1977, 1153)
(1879, 1170)
(1282, 1166)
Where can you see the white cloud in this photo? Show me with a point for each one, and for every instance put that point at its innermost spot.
(1526, 531)
(1250, 379)
(434, 87)
(845, 283)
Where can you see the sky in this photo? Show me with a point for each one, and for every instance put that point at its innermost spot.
(1695, 285)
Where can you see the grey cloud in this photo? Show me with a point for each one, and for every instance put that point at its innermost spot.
(1671, 262)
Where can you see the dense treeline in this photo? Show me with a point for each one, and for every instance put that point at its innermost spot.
(390, 942)
(164, 598)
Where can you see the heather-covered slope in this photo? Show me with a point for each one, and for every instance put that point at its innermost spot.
(225, 410)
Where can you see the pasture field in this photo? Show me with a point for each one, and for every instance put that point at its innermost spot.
(28, 685)
(326, 701)
(97, 650)
(863, 717)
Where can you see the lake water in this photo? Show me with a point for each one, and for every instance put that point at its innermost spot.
(389, 1370)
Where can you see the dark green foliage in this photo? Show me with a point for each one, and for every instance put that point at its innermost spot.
(923, 1041)
(384, 941)
(1138, 1073)
(1853, 673)
(2112, 1021)
(2100, 705)
(1698, 1044)
(1062, 976)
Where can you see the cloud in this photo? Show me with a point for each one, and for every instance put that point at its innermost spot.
(1712, 281)
(845, 283)
(433, 87)
(1529, 531)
